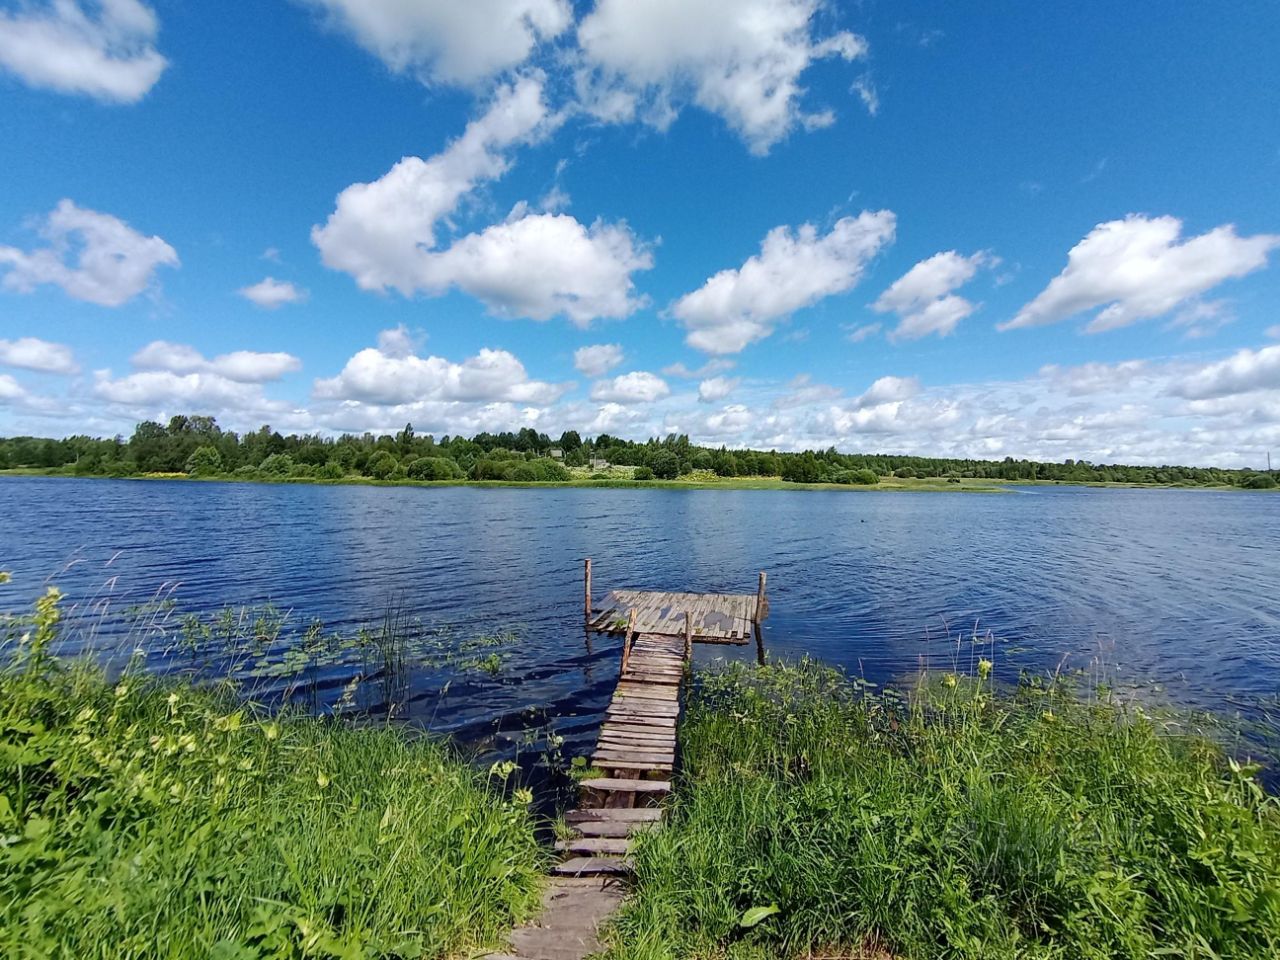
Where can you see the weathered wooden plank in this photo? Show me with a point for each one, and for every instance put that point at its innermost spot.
(627, 715)
(634, 731)
(595, 845)
(635, 815)
(649, 763)
(626, 785)
(592, 866)
(615, 828)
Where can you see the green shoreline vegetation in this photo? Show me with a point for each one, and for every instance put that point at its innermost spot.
(196, 447)
(142, 817)
(814, 816)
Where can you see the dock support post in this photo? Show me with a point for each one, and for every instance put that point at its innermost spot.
(762, 611)
(626, 641)
(587, 586)
(688, 638)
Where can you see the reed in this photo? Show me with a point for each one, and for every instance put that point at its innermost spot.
(819, 816)
(144, 817)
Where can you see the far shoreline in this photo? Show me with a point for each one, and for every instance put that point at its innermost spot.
(886, 484)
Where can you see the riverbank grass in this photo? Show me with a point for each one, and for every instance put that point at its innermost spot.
(815, 816)
(142, 818)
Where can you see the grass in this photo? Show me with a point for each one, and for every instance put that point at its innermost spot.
(815, 817)
(148, 818)
(616, 478)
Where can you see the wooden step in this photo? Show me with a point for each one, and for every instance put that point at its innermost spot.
(592, 867)
(614, 828)
(635, 759)
(595, 846)
(630, 715)
(633, 815)
(621, 785)
(644, 746)
(644, 731)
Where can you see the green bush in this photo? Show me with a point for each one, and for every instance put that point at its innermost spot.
(148, 819)
(332, 470)
(204, 462)
(380, 466)
(276, 465)
(642, 473)
(814, 815)
(1259, 481)
(665, 465)
(434, 468)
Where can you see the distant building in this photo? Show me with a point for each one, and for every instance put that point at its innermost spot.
(599, 463)
(557, 453)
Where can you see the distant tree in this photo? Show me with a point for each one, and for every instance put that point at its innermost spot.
(204, 462)
(276, 465)
(380, 466)
(802, 468)
(434, 468)
(642, 473)
(1259, 481)
(665, 465)
(404, 439)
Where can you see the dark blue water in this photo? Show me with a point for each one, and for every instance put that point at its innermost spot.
(1179, 588)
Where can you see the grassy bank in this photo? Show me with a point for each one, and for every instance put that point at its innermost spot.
(617, 479)
(140, 818)
(816, 818)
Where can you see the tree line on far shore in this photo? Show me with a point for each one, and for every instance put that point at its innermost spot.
(197, 446)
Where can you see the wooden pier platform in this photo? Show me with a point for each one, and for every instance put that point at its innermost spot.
(635, 754)
(636, 747)
(716, 617)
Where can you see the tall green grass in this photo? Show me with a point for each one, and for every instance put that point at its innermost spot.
(147, 818)
(815, 816)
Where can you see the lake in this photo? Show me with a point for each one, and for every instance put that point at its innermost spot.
(1180, 588)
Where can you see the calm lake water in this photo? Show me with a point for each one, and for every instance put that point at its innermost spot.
(1180, 588)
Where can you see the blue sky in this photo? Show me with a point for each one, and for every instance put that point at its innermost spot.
(1037, 230)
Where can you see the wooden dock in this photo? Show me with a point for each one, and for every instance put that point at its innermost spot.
(635, 755)
(636, 748)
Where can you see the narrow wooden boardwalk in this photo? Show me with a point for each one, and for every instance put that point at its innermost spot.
(635, 752)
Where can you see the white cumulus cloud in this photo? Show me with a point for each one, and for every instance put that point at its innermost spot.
(638, 386)
(105, 50)
(92, 256)
(1136, 268)
(376, 377)
(544, 264)
(380, 232)
(740, 59)
(794, 269)
(10, 389)
(1243, 372)
(716, 388)
(447, 41)
(31, 353)
(270, 293)
(240, 366)
(923, 297)
(597, 360)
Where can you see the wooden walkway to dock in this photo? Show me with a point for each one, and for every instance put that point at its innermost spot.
(636, 747)
(635, 754)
